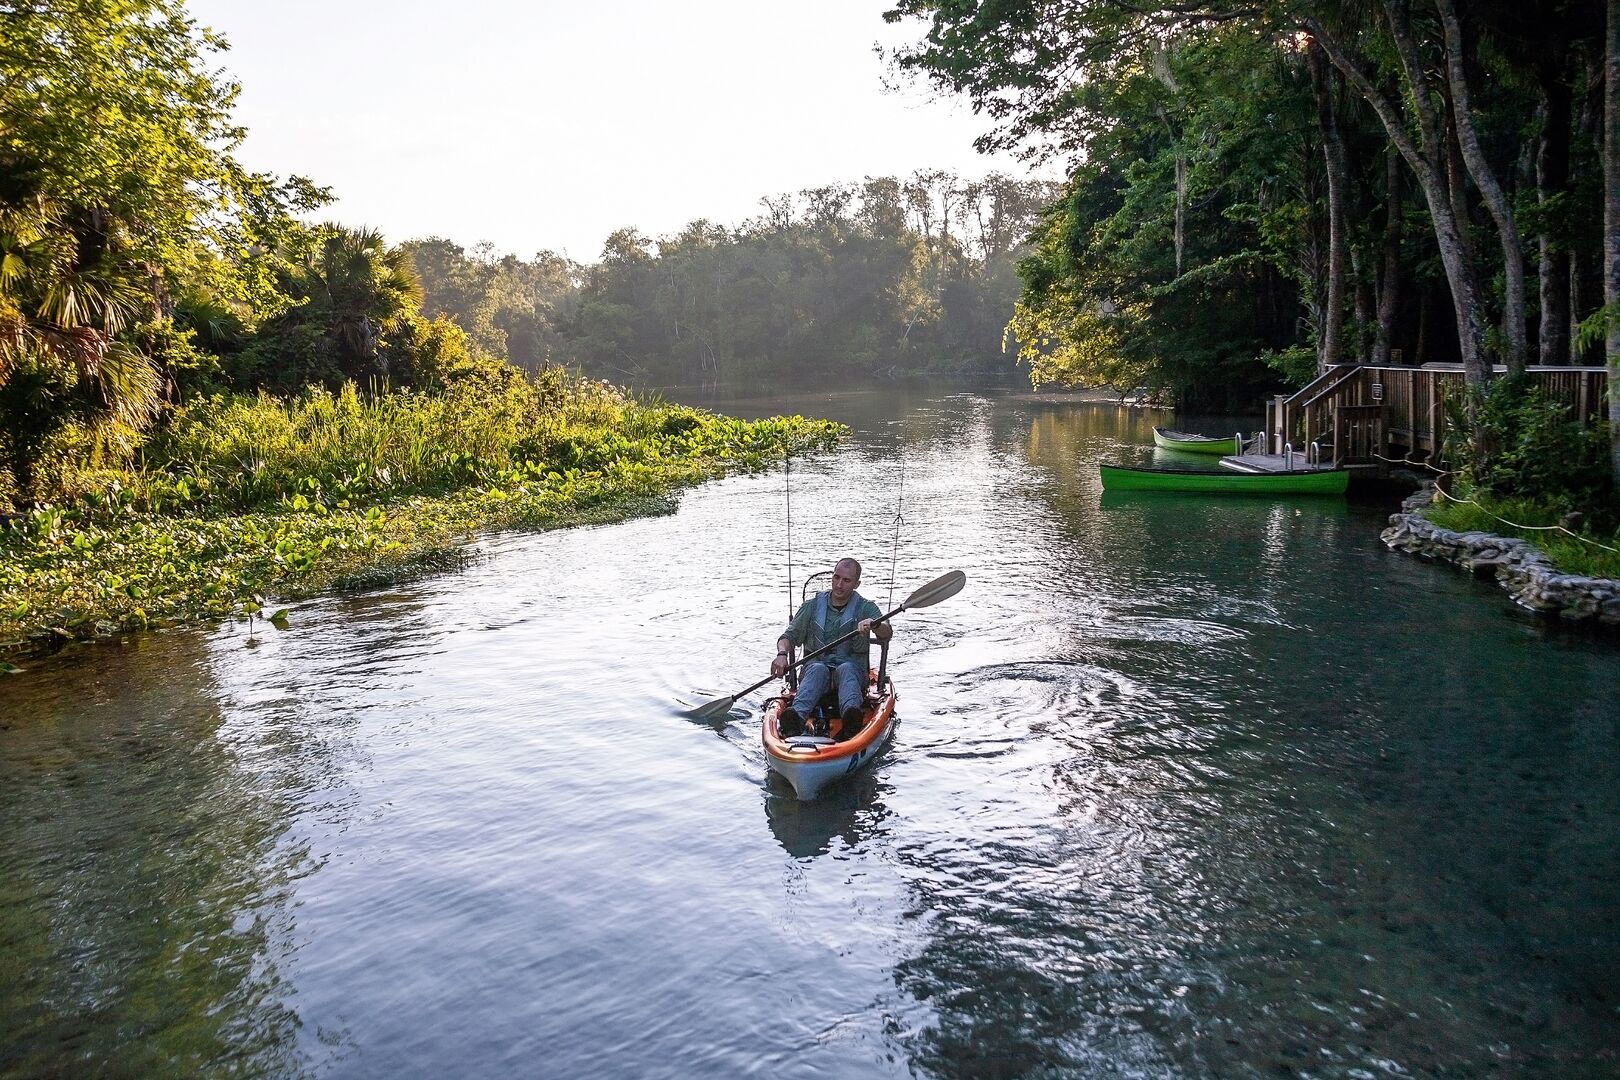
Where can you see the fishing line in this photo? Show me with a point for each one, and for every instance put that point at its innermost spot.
(899, 519)
(787, 484)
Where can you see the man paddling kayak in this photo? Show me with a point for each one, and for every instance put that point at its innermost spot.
(821, 619)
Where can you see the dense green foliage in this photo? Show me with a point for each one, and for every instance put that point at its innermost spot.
(350, 294)
(243, 497)
(1521, 447)
(507, 307)
(1130, 285)
(1529, 469)
(1290, 184)
(117, 192)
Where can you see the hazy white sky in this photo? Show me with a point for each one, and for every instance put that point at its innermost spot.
(547, 125)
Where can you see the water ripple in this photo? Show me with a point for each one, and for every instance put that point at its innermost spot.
(1168, 797)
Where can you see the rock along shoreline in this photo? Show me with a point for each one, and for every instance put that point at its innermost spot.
(1519, 566)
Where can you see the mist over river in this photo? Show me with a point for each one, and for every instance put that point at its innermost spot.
(1182, 786)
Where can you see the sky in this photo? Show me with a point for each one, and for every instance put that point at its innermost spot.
(547, 125)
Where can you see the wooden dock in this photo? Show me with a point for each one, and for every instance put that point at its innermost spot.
(1364, 417)
(1273, 463)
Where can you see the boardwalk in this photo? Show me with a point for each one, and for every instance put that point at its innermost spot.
(1362, 415)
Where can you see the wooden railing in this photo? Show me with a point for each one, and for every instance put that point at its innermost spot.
(1369, 413)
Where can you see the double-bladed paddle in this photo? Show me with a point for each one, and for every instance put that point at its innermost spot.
(941, 588)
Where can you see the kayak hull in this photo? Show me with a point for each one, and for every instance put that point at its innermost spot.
(810, 763)
(1226, 481)
(1196, 444)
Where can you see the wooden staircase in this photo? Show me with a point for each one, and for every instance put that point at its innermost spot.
(1362, 417)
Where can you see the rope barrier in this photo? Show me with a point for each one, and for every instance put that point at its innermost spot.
(1527, 528)
(1410, 461)
(1491, 513)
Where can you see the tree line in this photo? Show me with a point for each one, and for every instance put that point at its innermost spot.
(852, 280)
(1255, 191)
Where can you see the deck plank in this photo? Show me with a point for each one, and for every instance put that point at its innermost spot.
(1271, 463)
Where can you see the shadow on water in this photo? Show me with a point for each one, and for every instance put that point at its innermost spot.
(848, 811)
(1169, 505)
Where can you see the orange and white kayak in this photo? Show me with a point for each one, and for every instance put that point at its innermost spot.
(811, 762)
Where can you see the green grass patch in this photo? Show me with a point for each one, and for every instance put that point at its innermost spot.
(1501, 518)
(244, 499)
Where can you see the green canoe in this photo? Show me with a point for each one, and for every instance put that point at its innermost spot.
(1198, 444)
(1299, 482)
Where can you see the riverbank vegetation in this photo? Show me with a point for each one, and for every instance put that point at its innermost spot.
(237, 499)
(206, 399)
(1579, 550)
(1529, 470)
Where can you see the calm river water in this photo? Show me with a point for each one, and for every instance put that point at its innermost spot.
(1182, 787)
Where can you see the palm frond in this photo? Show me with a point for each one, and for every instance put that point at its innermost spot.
(13, 336)
(130, 384)
(13, 268)
(81, 347)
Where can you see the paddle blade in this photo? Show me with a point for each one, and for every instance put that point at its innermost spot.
(941, 588)
(717, 707)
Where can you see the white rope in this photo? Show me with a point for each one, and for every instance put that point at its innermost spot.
(1491, 513)
(1410, 461)
(1527, 528)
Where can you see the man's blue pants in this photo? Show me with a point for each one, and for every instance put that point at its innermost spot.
(851, 682)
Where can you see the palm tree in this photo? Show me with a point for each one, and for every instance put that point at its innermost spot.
(360, 288)
(67, 291)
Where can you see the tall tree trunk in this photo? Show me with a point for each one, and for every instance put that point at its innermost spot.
(1428, 164)
(1389, 284)
(1586, 271)
(1577, 304)
(1552, 177)
(1331, 348)
(1159, 63)
(1611, 221)
(1181, 208)
(1457, 186)
(1361, 313)
(1490, 189)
